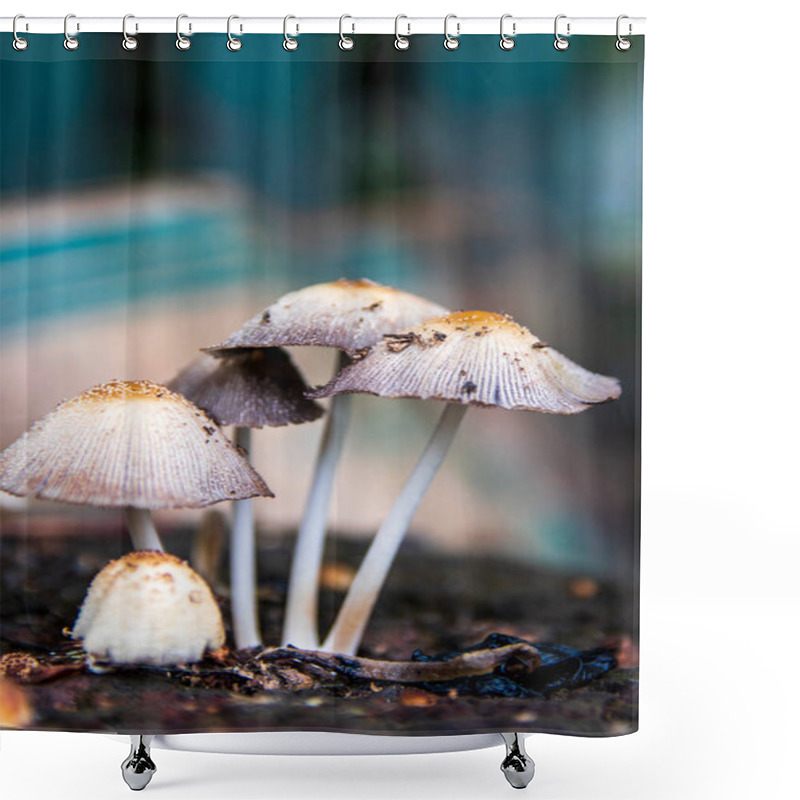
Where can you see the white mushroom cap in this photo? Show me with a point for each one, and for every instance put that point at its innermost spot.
(149, 608)
(474, 357)
(248, 388)
(128, 443)
(346, 314)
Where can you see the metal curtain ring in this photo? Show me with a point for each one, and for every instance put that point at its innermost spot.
(182, 42)
(233, 43)
(128, 42)
(623, 44)
(70, 42)
(19, 43)
(561, 43)
(346, 42)
(507, 42)
(451, 42)
(289, 43)
(401, 42)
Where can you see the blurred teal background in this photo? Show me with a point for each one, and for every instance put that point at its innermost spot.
(152, 201)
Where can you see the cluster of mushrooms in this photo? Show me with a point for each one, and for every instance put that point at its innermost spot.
(139, 446)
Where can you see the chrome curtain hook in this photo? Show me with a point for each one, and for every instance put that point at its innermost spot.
(346, 42)
(623, 44)
(70, 42)
(507, 42)
(128, 42)
(561, 43)
(19, 44)
(451, 42)
(289, 43)
(401, 42)
(233, 43)
(182, 42)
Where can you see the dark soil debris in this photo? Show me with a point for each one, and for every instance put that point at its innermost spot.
(549, 654)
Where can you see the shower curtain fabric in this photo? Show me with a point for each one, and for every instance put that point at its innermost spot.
(384, 236)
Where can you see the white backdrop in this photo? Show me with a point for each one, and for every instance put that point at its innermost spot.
(720, 552)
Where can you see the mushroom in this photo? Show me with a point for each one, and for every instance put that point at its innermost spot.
(149, 607)
(348, 315)
(247, 388)
(129, 444)
(465, 358)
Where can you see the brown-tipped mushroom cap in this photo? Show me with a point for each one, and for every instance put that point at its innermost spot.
(128, 443)
(248, 388)
(149, 608)
(474, 357)
(345, 314)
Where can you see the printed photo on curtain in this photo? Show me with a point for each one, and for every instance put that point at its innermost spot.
(249, 295)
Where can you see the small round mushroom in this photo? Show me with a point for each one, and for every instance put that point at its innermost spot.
(129, 444)
(465, 358)
(149, 607)
(349, 315)
(247, 388)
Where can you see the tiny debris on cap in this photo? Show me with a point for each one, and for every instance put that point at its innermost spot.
(149, 608)
(248, 388)
(474, 357)
(128, 443)
(346, 314)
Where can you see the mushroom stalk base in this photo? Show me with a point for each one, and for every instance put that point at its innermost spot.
(348, 629)
(300, 626)
(244, 608)
(142, 530)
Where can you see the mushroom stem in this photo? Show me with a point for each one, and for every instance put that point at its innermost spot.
(143, 533)
(348, 629)
(244, 608)
(300, 627)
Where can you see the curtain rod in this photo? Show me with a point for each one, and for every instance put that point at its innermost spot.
(404, 26)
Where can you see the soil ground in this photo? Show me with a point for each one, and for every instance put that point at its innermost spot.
(434, 603)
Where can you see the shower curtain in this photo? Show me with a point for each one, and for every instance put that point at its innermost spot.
(383, 235)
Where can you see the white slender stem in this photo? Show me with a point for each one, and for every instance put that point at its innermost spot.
(244, 590)
(143, 533)
(300, 627)
(348, 629)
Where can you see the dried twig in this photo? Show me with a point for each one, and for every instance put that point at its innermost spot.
(475, 662)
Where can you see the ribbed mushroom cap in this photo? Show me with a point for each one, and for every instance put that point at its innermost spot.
(248, 388)
(474, 357)
(149, 608)
(345, 314)
(128, 443)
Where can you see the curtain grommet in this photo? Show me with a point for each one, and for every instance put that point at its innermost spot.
(19, 44)
(182, 42)
(560, 42)
(507, 42)
(290, 44)
(129, 43)
(401, 42)
(622, 44)
(451, 42)
(233, 44)
(346, 42)
(70, 42)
